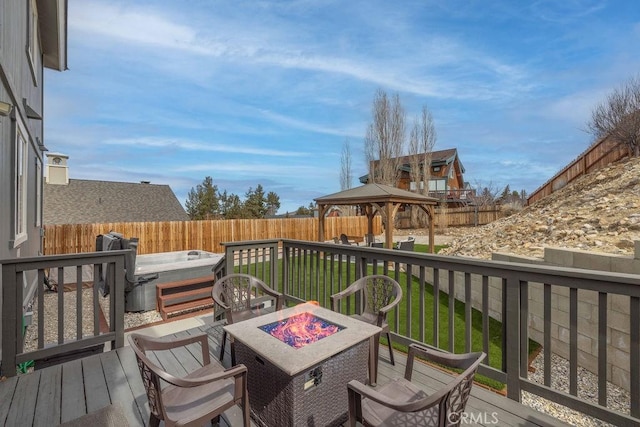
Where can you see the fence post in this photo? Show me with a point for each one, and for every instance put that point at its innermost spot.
(475, 216)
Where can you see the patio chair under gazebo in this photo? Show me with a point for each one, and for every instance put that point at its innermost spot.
(377, 198)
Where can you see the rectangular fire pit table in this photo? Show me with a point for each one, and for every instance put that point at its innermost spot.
(307, 385)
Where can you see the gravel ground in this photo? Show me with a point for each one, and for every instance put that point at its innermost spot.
(131, 320)
(617, 398)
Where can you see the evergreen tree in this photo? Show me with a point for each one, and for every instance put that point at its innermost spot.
(202, 201)
(273, 203)
(255, 203)
(230, 206)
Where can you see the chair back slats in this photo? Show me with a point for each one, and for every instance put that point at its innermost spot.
(150, 380)
(234, 293)
(379, 292)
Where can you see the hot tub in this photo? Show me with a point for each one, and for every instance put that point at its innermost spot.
(165, 267)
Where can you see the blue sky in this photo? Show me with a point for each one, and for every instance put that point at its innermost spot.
(267, 92)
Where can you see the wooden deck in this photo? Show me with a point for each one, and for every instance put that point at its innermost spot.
(64, 392)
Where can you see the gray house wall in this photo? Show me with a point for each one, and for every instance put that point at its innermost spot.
(21, 87)
(18, 83)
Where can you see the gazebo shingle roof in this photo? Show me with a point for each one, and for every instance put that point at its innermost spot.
(374, 192)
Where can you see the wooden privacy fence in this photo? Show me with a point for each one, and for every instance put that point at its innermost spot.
(208, 235)
(597, 156)
(467, 216)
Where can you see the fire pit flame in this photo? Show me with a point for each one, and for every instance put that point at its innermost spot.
(301, 329)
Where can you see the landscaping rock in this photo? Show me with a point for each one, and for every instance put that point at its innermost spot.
(597, 212)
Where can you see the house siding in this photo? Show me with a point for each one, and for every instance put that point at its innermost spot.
(18, 83)
(21, 81)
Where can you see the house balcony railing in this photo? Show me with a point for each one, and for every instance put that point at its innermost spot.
(521, 296)
(453, 194)
(88, 329)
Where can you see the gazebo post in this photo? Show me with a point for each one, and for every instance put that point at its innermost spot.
(321, 211)
(432, 238)
(388, 229)
(368, 210)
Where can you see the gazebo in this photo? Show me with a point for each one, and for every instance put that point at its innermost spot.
(377, 198)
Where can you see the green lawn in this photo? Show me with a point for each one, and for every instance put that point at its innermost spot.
(418, 247)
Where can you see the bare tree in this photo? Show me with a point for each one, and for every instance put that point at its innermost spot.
(421, 145)
(346, 173)
(422, 139)
(485, 195)
(385, 139)
(618, 117)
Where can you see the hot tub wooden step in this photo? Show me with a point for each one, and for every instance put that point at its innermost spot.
(184, 295)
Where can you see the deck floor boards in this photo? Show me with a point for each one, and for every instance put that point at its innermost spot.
(64, 392)
(119, 389)
(130, 367)
(49, 397)
(95, 385)
(73, 403)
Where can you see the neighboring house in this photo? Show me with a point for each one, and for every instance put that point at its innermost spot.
(446, 180)
(33, 35)
(81, 201)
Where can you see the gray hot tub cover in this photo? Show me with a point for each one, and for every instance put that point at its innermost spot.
(111, 242)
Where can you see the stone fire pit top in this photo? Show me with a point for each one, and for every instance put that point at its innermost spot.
(290, 360)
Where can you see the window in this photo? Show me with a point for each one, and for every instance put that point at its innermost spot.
(33, 45)
(38, 219)
(20, 212)
(437, 185)
(413, 185)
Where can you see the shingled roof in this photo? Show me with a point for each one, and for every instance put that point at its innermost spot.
(438, 158)
(86, 201)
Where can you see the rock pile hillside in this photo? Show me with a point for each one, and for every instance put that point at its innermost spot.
(597, 212)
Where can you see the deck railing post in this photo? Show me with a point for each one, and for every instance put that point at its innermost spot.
(286, 260)
(9, 320)
(274, 264)
(229, 254)
(118, 321)
(512, 344)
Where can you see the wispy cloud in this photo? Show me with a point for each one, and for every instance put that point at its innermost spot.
(402, 71)
(251, 168)
(202, 146)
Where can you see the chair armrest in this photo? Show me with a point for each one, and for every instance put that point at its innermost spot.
(233, 372)
(467, 362)
(335, 298)
(395, 404)
(273, 293)
(451, 360)
(392, 304)
(382, 313)
(154, 343)
(218, 301)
